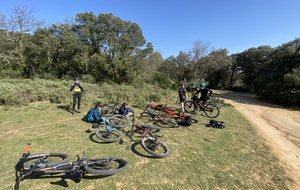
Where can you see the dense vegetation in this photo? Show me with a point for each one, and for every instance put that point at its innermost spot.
(104, 48)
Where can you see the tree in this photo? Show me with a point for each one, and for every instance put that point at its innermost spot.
(116, 40)
(17, 24)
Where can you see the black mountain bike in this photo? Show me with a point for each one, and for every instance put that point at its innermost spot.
(37, 165)
(209, 109)
(110, 110)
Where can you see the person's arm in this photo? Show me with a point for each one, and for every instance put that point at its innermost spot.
(72, 87)
(122, 111)
(82, 89)
(96, 114)
(186, 97)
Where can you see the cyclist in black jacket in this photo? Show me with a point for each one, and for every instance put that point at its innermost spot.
(182, 96)
(205, 93)
(77, 90)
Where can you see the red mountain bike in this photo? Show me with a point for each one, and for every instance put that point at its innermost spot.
(170, 111)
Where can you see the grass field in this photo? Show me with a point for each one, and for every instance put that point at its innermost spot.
(201, 157)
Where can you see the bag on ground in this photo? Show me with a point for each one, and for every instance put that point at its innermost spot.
(186, 121)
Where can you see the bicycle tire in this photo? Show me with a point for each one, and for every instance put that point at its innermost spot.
(195, 120)
(167, 121)
(120, 121)
(151, 128)
(189, 106)
(154, 149)
(54, 158)
(211, 111)
(102, 134)
(103, 166)
(107, 111)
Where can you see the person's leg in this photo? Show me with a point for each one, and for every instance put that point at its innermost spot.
(74, 103)
(79, 101)
(182, 106)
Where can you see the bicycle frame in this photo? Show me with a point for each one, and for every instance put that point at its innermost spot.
(108, 125)
(150, 142)
(159, 117)
(143, 131)
(164, 108)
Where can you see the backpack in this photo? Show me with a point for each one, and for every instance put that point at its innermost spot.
(216, 124)
(186, 121)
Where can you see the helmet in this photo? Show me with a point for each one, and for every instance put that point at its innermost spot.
(99, 104)
(76, 78)
(202, 84)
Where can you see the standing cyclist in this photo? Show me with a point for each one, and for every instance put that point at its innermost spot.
(195, 96)
(77, 90)
(205, 93)
(182, 96)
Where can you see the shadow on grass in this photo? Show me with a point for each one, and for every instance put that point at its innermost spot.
(93, 137)
(133, 149)
(65, 107)
(63, 182)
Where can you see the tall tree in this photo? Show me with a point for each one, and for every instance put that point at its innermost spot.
(17, 24)
(117, 40)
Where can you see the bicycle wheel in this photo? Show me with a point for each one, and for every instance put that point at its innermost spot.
(189, 106)
(211, 111)
(102, 134)
(51, 158)
(107, 111)
(105, 166)
(167, 121)
(151, 128)
(158, 149)
(120, 121)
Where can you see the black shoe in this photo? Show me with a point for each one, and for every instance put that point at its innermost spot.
(95, 125)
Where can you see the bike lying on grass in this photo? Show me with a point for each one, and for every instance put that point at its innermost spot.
(165, 108)
(110, 110)
(210, 110)
(107, 131)
(158, 117)
(150, 142)
(37, 165)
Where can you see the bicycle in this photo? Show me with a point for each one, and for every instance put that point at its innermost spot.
(37, 165)
(171, 111)
(110, 110)
(218, 101)
(150, 142)
(158, 117)
(209, 109)
(107, 131)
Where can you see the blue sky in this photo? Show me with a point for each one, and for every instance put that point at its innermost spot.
(174, 25)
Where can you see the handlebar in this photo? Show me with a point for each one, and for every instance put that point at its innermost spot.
(26, 152)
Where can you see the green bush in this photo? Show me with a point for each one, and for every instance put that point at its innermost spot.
(25, 91)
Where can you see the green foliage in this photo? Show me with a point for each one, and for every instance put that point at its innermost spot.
(293, 79)
(25, 91)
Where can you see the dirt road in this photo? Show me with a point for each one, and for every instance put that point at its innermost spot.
(279, 126)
